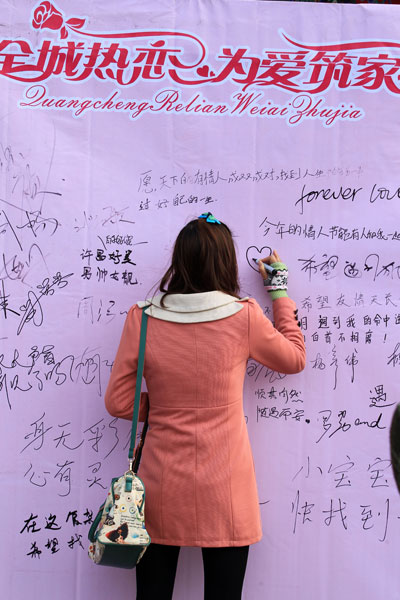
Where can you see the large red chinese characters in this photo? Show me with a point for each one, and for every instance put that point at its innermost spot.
(127, 57)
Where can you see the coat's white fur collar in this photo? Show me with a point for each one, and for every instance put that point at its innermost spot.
(193, 308)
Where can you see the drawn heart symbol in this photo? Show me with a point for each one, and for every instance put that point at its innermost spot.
(258, 253)
(204, 71)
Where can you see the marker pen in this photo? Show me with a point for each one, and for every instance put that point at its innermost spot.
(270, 269)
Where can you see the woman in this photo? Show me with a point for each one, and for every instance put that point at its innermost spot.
(197, 464)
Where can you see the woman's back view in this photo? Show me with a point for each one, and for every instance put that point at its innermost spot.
(197, 465)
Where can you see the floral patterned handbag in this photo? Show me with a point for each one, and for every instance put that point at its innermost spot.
(118, 534)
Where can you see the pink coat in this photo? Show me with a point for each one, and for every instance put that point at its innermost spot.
(197, 464)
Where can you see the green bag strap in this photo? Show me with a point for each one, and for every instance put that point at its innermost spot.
(139, 376)
(92, 530)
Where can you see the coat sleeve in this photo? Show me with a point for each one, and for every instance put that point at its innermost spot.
(120, 393)
(280, 348)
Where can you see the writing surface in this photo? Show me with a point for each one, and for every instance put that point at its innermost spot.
(282, 123)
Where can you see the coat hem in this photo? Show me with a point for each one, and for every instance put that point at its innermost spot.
(205, 543)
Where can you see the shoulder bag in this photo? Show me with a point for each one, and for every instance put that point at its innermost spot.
(118, 534)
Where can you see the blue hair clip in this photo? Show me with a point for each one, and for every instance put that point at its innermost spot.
(209, 218)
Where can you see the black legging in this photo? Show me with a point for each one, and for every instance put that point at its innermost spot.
(224, 570)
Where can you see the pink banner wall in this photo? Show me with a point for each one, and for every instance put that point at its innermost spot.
(120, 122)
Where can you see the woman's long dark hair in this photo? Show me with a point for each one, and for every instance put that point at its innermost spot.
(203, 260)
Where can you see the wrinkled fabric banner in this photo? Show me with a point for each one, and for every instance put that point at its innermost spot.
(121, 122)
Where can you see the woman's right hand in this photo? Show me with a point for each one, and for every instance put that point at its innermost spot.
(272, 258)
(276, 283)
